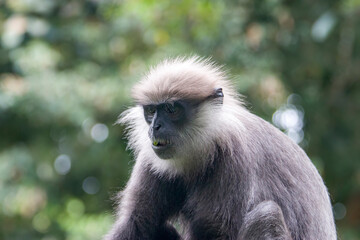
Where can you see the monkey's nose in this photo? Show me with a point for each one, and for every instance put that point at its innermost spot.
(157, 126)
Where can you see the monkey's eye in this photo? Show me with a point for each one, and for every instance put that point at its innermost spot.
(149, 109)
(172, 109)
(175, 111)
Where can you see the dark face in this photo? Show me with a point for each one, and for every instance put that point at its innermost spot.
(166, 120)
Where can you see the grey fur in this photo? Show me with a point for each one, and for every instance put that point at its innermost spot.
(252, 182)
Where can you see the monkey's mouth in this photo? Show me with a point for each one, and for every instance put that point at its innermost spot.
(163, 147)
(159, 143)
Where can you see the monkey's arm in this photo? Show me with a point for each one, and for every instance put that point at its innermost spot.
(147, 203)
(265, 221)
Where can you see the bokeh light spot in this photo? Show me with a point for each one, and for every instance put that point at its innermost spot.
(339, 210)
(323, 26)
(99, 132)
(45, 171)
(62, 164)
(91, 185)
(86, 125)
(41, 222)
(75, 208)
(290, 119)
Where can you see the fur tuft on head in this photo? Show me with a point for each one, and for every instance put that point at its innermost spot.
(180, 78)
(215, 125)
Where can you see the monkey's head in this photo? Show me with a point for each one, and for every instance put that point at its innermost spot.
(181, 101)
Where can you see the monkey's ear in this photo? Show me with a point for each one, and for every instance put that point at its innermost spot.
(218, 93)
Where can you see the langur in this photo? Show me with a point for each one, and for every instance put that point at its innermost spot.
(204, 161)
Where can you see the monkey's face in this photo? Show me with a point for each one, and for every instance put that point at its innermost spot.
(171, 124)
(166, 121)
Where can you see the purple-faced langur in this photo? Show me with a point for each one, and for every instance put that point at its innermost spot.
(206, 162)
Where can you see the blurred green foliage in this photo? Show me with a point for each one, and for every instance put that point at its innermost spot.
(67, 67)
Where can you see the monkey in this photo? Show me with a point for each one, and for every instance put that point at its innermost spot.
(206, 162)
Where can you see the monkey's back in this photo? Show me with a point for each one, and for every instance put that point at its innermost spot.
(282, 172)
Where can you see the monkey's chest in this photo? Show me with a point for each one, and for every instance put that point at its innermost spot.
(204, 218)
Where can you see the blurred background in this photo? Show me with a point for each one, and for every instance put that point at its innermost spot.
(67, 67)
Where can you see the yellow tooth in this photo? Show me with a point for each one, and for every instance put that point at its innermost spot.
(155, 143)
